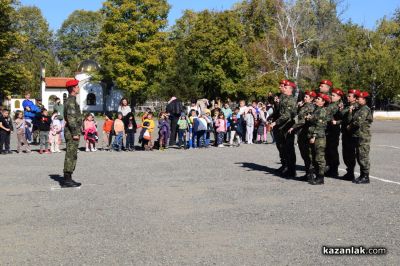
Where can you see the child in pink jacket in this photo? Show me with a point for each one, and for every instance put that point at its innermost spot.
(221, 128)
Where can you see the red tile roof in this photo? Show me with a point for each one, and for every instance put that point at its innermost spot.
(53, 82)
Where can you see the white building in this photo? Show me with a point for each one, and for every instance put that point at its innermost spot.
(93, 97)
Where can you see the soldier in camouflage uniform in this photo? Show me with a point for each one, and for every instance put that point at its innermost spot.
(278, 136)
(73, 119)
(301, 128)
(287, 112)
(317, 139)
(360, 123)
(333, 134)
(348, 145)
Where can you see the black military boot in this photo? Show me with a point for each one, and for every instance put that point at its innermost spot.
(288, 173)
(305, 177)
(334, 172)
(319, 180)
(310, 174)
(363, 179)
(280, 169)
(312, 178)
(349, 175)
(68, 182)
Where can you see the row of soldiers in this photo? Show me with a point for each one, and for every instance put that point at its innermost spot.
(318, 120)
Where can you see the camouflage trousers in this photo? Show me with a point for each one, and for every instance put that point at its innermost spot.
(303, 143)
(331, 152)
(362, 153)
(71, 154)
(349, 151)
(279, 139)
(317, 155)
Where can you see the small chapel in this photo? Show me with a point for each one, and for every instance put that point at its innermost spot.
(94, 96)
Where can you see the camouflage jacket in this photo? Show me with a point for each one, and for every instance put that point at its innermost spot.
(318, 122)
(300, 121)
(72, 116)
(287, 112)
(360, 122)
(333, 113)
(345, 117)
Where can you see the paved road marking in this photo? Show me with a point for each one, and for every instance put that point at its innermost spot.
(374, 177)
(394, 147)
(59, 188)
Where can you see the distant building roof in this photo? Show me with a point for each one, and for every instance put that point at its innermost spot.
(53, 82)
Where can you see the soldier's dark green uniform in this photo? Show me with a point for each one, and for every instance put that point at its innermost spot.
(318, 122)
(348, 145)
(332, 139)
(361, 135)
(301, 127)
(278, 134)
(73, 119)
(287, 112)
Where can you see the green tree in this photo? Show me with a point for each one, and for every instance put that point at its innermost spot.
(132, 43)
(36, 48)
(9, 39)
(215, 54)
(77, 39)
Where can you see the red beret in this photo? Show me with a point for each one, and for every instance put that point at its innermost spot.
(325, 97)
(327, 82)
(353, 91)
(291, 84)
(283, 81)
(72, 83)
(311, 93)
(338, 92)
(362, 94)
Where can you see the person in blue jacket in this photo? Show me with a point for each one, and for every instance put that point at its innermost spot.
(30, 113)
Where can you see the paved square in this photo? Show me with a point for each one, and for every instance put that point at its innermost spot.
(217, 206)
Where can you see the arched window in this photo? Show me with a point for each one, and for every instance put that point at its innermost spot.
(17, 104)
(91, 99)
(52, 101)
(65, 96)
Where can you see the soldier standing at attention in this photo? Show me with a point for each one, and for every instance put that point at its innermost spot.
(317, 139)
(73, 119)
(359, 126)
(287, 112)
(333, 134)
(278, 136)
(301, 128)
(348, 145)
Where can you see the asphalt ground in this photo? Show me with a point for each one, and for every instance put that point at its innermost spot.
(216, 206)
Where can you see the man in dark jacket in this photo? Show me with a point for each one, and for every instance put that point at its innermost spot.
(174, 108)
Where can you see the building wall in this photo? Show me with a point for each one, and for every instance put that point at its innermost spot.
(91, 88)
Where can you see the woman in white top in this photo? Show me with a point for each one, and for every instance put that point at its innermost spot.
(123, 107)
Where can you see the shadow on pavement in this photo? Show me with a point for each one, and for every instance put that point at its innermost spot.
(269, 170)
(57, 178)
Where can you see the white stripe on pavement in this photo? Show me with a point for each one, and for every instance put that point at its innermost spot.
(374, 177)
(388, 146)
(60, 188)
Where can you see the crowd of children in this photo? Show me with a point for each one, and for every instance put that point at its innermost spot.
(195, 129)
